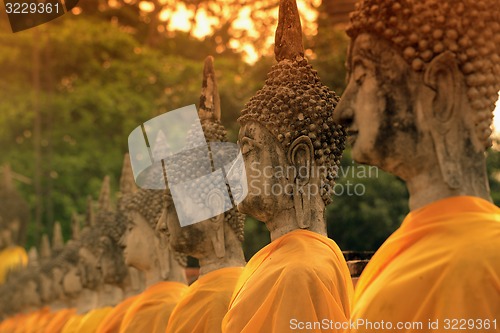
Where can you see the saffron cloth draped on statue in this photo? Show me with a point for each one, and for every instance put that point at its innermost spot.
(10, 258)
(442, 263)
(72, 324)
(93, 319)
(151, 310)
(60, 319)
(206, 302)
(113, 321)
(301, 276)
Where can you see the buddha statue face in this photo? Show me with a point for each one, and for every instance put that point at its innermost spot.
(270, 183)
(140, 243)
(191, 239)
(110, 261)
(423, 78)
(46, 292)
(5, 238)
(57, 280)
(31, 294)
(71, 282)
(88, 266)
(380, 105)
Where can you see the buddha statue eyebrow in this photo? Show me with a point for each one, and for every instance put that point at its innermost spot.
(367, 52)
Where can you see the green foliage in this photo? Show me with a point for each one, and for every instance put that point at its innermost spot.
(493, 166)
(256, 237)
(99, 81)
(98, 84)
(367, 207)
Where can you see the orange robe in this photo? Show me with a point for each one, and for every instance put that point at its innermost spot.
(301, 277)
(93, 319)
(34, 321)
(113, 321)
(10, 258)
(41, 323)
(59, 320)
(9, 325)
(443, 263)
(72, 324)
(151, 310)
(206, 302)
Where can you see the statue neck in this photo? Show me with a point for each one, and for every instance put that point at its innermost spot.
(133, 283)
(87, 300)
(177, 272)
(285, 221)
(109, 295)
(152, 275)
(429, 185)
(233, 256)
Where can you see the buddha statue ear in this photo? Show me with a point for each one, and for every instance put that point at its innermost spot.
(163, 250)
(215, 201)
(301, 156)
(443, 116)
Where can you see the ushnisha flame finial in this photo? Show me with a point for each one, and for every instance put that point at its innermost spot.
(209, 108)
(288, 39)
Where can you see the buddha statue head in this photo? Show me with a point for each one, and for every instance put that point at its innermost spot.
(25, 284)
(290, 143)
(92, 266)
(88, 264)
(215, 236)
(423, 78)
(142, 246)
(68, 261)
(111, 227)
(46, 283)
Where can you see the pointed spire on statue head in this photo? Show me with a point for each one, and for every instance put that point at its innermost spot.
(127, 182)
(209, 107)
(104, 200)
(90, 218)
(33, 257)
(75, 226)
(57, 238)
(288, 39)
(45, 251)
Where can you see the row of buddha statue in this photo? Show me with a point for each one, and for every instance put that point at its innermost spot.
(423, 77)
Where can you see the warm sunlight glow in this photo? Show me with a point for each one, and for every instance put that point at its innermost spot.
(204, 24)
(146, 6)
(181, 19)
(245, 23)
(496, 120)
(165, 14)
(251, 56)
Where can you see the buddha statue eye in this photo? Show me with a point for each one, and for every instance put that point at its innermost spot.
(247, 146)
(359, 75)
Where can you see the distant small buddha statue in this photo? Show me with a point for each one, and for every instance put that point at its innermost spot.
(163, 268)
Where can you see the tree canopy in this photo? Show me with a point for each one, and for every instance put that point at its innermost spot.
(119, 63)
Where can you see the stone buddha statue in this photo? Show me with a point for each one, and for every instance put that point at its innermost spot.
(214, 241)
(423, 77)
(291, 147)
(142, 247)
(164, 272)
(101, 256)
